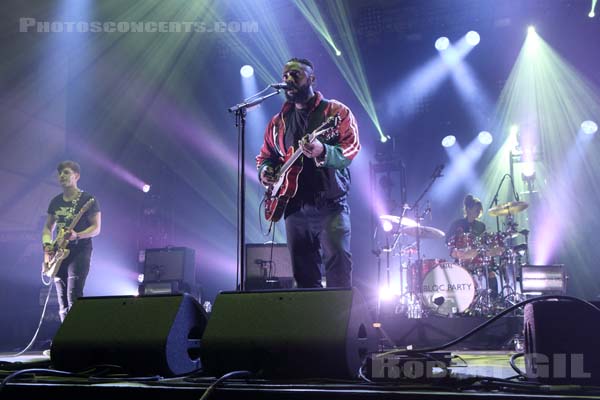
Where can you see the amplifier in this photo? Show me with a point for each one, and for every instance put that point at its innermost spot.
(170, 264)
(267, 262)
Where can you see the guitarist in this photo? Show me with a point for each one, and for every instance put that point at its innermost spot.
(317, 218)
(73, 270)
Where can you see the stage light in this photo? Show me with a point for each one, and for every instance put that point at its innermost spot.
(140, 278)
(384, 138)
(473, 38)
(531, 30)
(338, 53)
(589, 127)
(386, 293)
(449, 141)
(442, 43)
(591, 14)
(528, 169)
(485, 137)
(247, 71)
(146, 188)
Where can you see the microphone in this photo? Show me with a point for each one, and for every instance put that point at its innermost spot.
(280, 85)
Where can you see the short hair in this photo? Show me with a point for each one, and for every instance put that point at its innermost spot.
(75, 167)
(301, 61)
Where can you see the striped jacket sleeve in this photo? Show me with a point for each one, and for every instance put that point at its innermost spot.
(268, 155)
(340, 154)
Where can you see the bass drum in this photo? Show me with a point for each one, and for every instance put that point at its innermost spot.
(448, 288)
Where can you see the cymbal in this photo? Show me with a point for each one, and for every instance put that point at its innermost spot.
(512, 207)
(394, 219)
(424, 232)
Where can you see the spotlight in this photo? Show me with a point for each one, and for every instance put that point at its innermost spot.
(485, 137)
(442, 43)
(140, 278)
(592, 14)
(473, 38)
(385, 293)
(384, 138)
(589, 127)
(531, 30)
(146, 188)
(528, 169)
(338, 53)
(247, 71)
(449, 141)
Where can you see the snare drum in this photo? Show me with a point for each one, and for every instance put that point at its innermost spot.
(448, 288)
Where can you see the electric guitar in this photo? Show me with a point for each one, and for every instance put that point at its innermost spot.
(53, 259)
(286, 186)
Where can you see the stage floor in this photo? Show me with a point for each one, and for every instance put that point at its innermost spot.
(471, 374)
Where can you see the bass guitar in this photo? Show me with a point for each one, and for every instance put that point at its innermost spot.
(278, 195)
(53, 259)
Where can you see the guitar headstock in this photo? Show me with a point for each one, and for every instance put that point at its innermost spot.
(328, 129)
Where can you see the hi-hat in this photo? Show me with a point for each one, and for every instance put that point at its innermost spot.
(512, 207)
(424, 232)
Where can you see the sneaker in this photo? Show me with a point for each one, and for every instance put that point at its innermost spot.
(46, 353)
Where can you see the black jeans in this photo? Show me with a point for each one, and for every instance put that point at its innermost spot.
(320, 234)
(70, 279)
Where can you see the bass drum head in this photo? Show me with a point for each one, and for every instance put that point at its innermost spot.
(448, 288)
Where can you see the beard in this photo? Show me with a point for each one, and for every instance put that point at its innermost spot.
(302, 94)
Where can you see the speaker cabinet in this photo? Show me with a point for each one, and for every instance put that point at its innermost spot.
(308, 333)
(144, 335)
(561, 342)
(170, 264)
(268, 266)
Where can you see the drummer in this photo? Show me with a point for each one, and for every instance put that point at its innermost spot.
(463, 234)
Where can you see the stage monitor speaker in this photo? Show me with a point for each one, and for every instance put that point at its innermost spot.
(561, 342)
(306, 333)
(144, 335)
(170, 264)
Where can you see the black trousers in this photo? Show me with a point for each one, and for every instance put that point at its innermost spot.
(319, 234)
(70, 279)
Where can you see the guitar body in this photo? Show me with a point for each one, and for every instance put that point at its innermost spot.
(278, 196)
(52, 266)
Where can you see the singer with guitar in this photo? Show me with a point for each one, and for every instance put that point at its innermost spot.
(74, 217)
(316, 211)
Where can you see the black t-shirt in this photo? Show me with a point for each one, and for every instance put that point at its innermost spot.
(65, 212)
(464, 226)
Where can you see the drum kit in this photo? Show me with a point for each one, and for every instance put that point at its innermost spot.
(481, 278)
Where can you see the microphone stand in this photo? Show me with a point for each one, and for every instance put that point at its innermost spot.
(495, 201)
(240, 111)
(436, 174)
